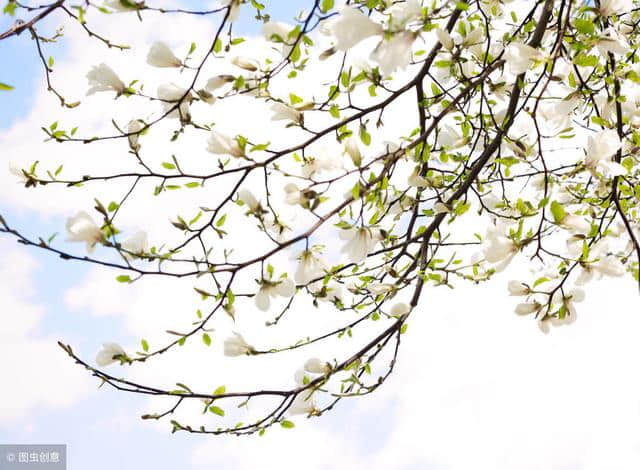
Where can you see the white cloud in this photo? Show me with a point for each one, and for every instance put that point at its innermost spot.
(36, 372)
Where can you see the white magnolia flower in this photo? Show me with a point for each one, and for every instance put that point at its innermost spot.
(360, 242)
(294, 195)
(282, 112)
(352, 149)
(276, 31)
(498, 248)
(612, 42)
(279, 226)
(136, 244)
(218, 82)
(161, 56)
(268, 289)
(310, 267)
(82, 228)
(576, 224)
(245, 63)
(517, 288)
(234, 9)
(236, 346)
(445, 38)
(403, 13)
(606, 265)
(303, 404)
(107, 355)
(574, 295)
(317, 366)
(601, 148)
(220, 144)
(400, 309)
(330, 292)
(615, 7)
(302, 377)
(133, 129)
(520, 57)
(394, 53)
(353, 26)
(321, 162)
(527, 308)
(557, 116)
(17, 171)
(103, 78)
(170, 94)
(377, 288)
(249, 199)
(418, 181)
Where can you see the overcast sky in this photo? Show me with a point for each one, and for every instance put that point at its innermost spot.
(476, 386)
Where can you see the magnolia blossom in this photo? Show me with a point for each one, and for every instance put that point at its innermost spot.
(249, 199)
(236, 346)
(295, 195)
(82, 228)
(318, 164)
(394, 53)
(133, 129)
(418, 181)
(329, 292)
(403, 13)
(377, 288)
(302, 377)
(245, 63)
(612, 42)
(615, 7)
(103, 78)
(445, 38)
(19, 172)
(498, 248)
(310, 267)
(360, 242)
(282, 112)
(269, 289)
(520, 57)
(527, 308)
(108, 354)
(601, 148)
(220, 144)
(170, 94)
(136, 244)
(400, 309)
(606, 265)
(352, 149)
(303, 404)
(317, 366)
(161, 56)
(576, 224)
(557, 116)
(517, 288)
(218, 81)
(234, 9)
(353, 26)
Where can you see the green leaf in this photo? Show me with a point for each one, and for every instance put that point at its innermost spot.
(287, 424)
(168, 166)
(365, 137)
(326, 5)
(558, 212)
(123, 278)
(206, 339)
(220, 390)
(216, 410)
(145, 345)
(584, 26)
